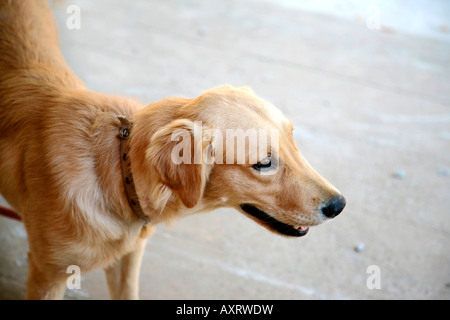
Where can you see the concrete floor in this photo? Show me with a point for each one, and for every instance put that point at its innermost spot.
(371, 110)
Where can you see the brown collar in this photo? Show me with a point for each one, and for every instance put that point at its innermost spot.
(127, 176)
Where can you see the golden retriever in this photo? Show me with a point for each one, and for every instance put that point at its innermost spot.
(91, 174)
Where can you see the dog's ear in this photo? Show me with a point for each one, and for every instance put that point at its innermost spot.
(176, 152)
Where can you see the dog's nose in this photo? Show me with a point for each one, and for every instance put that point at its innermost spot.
(334, 207)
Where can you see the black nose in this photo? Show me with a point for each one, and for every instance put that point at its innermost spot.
(334, 207)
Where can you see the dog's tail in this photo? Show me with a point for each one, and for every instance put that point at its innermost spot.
(29, 40)
(27, 33)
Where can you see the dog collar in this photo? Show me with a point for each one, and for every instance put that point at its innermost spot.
(127, 176)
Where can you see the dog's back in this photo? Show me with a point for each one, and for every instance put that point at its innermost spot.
(32, 72)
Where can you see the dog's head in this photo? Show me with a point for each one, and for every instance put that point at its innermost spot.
(230, 148)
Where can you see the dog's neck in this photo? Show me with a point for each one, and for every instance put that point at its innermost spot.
(127, 175)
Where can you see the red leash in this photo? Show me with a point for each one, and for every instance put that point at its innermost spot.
(7, 212)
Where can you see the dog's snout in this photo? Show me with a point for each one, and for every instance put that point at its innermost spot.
(334, 207)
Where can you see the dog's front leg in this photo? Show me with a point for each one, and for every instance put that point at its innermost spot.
(44, 284)
(123, 275)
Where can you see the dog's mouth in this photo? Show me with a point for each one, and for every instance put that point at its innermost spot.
(273, 224)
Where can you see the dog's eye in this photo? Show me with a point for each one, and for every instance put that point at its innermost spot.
(263, 164)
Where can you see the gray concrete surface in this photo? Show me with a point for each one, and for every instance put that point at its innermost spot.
(371, 110)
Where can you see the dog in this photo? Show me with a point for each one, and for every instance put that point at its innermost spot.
(91, 174)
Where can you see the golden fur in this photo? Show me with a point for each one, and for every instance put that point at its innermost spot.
(60, 168)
